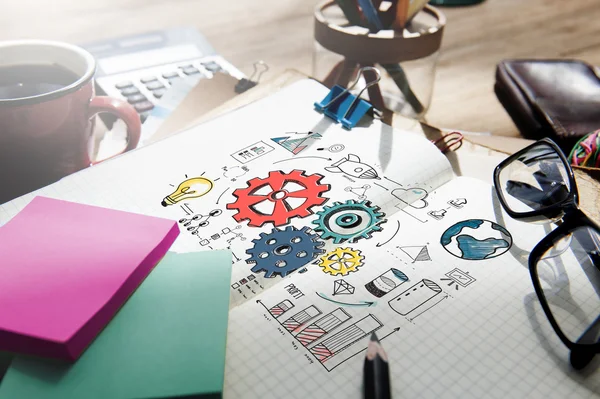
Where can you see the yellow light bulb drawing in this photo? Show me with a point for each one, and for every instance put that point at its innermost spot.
(195, 187)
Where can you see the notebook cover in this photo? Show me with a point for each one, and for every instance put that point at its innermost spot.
(65, 270)
(168, 341)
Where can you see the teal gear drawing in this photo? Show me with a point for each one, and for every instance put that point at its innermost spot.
(281, 252)
(349, 221)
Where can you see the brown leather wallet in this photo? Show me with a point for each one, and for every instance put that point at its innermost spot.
(559, 99)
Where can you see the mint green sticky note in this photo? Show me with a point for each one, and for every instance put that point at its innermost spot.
(167, 341)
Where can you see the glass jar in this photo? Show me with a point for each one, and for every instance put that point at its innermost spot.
(406, 60)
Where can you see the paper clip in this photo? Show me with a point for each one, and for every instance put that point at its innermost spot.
(450, 142)
(345, 107)
(246, 84)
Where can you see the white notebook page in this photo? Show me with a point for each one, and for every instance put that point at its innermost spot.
(466, 328)
(270, 135)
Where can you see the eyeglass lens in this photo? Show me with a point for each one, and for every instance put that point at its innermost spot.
(535, 180)
(569, 274)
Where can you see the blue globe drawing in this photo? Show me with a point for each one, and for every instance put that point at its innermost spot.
(476, 239)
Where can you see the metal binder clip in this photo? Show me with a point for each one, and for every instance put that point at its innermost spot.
(450, 142)
(246, 84)
(345, 107)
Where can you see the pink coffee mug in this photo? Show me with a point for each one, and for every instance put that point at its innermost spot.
(46, 135)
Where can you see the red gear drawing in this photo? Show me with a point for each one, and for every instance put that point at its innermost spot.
(247, 198)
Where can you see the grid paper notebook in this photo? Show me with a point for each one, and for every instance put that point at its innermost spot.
(365, 226)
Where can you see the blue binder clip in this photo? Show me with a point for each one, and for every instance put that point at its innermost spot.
(345, 107)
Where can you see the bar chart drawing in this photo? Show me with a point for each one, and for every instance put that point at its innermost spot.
(295, 323)
(332, 346)
(329, 348)
(322, 326)
(281, 308)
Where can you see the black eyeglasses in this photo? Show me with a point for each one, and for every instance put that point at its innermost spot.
(535, 184)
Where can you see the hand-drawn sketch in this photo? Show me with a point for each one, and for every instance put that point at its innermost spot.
(352, 166)
(332, 350)
(323, 326)
(476, 239)
(282, 307)
(226, 232)
(341, 261)
(349, 221)
(296, 142)
(380, 244)
(386, 282)
(458, 202)
(438, 215)
(333, 148)
(186, 208)
(360, 192)
(359, 304)
(298, 321)
(202, 220)
(233, 172)
(190, 188)
(341, 287)
(281, 252)
(338, 342)
(278, 198)
(414, 297)
(252, 152)
(417, 253)
(459, 277)
(413, 197)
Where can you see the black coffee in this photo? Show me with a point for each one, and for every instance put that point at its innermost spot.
(17, 81)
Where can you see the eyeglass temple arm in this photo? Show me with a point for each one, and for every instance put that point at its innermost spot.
(582, 357)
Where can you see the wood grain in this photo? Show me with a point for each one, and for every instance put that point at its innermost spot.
(280, 32)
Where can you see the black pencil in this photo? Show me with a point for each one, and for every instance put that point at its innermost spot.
(376, 371)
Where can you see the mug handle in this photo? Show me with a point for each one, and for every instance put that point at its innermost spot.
(122, 110)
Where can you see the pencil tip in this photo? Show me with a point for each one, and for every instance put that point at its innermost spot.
(374, 337)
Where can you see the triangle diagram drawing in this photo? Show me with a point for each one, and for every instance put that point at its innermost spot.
(297, 142)
(418, 253)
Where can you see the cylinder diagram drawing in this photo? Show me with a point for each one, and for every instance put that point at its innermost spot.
(386, 282)
(322, 326)
(281, 308)
(414, 297)
(295, 323)
(327, 350)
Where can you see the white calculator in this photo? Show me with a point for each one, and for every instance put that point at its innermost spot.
(141, 68)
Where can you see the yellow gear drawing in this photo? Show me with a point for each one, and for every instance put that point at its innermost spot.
(341, 261)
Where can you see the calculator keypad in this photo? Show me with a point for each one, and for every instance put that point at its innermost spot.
(143, 91)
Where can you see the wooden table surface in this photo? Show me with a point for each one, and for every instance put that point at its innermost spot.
(280, 32)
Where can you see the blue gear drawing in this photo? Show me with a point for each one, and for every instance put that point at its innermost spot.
(349, 221)
(284, 251)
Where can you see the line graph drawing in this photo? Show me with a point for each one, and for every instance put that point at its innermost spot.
(323, 326)
(458, 277)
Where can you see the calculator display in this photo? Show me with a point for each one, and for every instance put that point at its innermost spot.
(148, 58)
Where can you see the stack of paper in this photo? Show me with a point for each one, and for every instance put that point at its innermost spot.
(66, 270)
(167, 341)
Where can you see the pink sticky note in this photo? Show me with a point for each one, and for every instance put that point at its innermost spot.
(67, 268)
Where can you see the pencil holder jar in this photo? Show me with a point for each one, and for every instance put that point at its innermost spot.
(406, 60)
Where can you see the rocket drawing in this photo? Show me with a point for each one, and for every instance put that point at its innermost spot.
(352, 166)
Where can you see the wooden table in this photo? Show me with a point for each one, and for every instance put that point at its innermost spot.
(280, 32)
